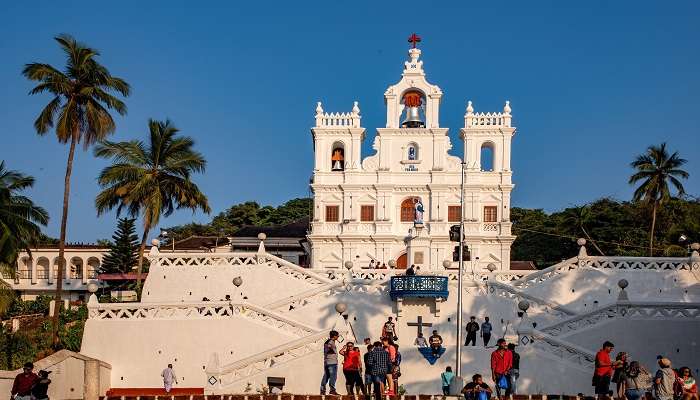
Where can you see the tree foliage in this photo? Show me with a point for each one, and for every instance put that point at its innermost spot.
(123, 249)
(150, 179)
(229, 221)
(619, 228)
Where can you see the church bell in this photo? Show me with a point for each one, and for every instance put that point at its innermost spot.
(413, 119)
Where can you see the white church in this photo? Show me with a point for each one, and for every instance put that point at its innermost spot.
(395, 207)
(245, 322)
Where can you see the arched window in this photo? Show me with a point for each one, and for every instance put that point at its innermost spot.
(487, 154)
(412, 152)
(338, 157)
(408, 209)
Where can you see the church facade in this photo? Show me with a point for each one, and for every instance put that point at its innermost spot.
(396, 207)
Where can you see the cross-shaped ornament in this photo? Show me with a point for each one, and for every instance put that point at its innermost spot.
(414, 39)
(420, 324)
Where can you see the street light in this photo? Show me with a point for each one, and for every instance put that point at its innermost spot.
(458, 369)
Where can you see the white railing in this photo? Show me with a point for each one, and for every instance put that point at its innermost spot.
(344, 120)
(639, 263)
(245, 368)
(659, 264)
(237, 260)
(626, 310)
(487, 119)
(538, 304)
(561, 349)
(304, 298)
(546, 274)
(200, 310)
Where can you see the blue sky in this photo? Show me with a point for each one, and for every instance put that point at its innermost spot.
(591, 85)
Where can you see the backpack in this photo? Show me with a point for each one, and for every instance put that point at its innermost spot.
(397, 361)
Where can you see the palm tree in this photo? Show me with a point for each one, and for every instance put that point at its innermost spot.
(579, 216)
(151, 179)
(19, 224)
(80, 94)
(655, 169)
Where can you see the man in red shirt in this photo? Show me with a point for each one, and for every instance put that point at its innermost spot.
(352, 365)
(501, 364)
(22, 387)
(603, 370)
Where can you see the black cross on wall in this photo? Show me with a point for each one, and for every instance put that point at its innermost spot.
(420, 324)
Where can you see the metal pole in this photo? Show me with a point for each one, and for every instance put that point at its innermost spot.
(458, 369)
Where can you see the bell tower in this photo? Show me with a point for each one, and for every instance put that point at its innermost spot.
(337, 140)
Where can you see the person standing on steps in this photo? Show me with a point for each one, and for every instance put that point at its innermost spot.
(446, 378)
(389, 329)
(169, 378)
(603, 370)
(352, 365)
(411, 271)
(472, 328)
(330, 363)
(515, 370)
(378, 365)
(486, 329)
(501, 364)
(368, 375)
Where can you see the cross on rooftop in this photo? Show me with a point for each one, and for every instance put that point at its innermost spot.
(420, 324)
(414, 39)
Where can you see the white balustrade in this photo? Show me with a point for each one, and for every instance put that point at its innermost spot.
(236, 372)
(626, 310)
(200, 310)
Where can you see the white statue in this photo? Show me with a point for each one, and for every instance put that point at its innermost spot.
(418, 205)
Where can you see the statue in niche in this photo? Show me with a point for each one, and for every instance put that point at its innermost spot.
(411, 153)
(418, 205)
(338, 160)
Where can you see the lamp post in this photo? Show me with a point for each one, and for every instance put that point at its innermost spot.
(458, 367)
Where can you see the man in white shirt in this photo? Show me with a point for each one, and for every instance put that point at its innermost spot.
(168, 378)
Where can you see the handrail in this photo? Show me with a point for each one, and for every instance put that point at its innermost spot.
(199, 310)
(303, 295)
(533, 299)
(624, 309)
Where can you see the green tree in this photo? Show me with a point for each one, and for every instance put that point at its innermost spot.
(578, 217)
(124, 249)
(290, 211)
(20, 221)
(150, 179)
(655, 169)
(82, 95)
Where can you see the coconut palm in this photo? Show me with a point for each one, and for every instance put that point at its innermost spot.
(578, 217)
(82, 95)
(150, 179)
(655, 169)
(19, 224)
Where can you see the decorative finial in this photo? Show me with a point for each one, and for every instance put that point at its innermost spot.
(506, 108)
(470, 108)
(355, 108)
(414, 40)
(319, 109)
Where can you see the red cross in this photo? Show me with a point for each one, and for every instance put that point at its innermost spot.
(414, 39)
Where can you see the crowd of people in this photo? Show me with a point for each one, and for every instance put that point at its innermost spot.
(633, 381)
(382, 366)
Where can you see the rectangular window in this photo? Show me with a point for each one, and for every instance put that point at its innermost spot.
(332, 213)
(366, 213)
(453, 213)
(490, 213)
